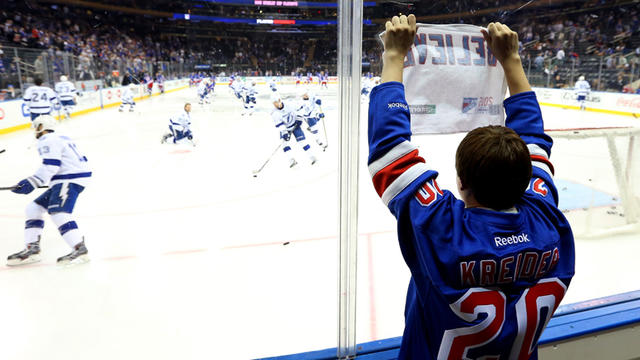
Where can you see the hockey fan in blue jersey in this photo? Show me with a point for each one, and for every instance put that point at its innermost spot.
(311, 110)
(40, 99)
(180, 127)
(287, 119)
(487, 271)
(66, 171)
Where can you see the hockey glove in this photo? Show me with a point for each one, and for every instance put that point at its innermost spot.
(25, 186)
(321, 115)
(285, 135)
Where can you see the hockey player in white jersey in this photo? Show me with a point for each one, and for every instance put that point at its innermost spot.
(273, 85)
(67, 173)
(40, 99)
(203, 91)
(311, 110)
(67, 94)
(236, 88)
(249, 93)
(180, 127)
(582, 89)
(287, 119)
(127, 98)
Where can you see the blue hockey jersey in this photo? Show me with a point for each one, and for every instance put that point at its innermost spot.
(484, 283)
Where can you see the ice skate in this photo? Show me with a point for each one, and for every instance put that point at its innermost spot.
(29, 255)
(292, 162)
(79, 255)
(165, 137)
(313, 159)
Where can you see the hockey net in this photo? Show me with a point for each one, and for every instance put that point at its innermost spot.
(597, 176)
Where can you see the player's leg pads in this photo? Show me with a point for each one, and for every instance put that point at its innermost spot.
(299, 134)
(306, 147)
(63, 197)
(68, 228)
(286, 148)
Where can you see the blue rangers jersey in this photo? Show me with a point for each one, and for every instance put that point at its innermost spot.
(582, 88)
(483, 283)
(40, 99)
(66, 90)
(61, 161)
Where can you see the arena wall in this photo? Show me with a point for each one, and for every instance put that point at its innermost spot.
(14, 115)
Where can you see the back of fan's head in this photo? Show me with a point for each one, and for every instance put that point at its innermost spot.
(494, 163)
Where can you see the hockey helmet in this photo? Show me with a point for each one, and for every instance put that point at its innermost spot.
(48, 122)
(63, 78)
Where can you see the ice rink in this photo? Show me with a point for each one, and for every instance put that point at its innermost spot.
(193, 258)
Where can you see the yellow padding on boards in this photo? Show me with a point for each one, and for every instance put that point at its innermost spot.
(85, 111)
(613, 112)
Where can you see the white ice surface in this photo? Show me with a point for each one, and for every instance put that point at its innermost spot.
(186, 247)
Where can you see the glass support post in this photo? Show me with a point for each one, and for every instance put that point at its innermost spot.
(349, 77)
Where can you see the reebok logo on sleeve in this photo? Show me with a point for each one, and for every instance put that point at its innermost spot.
(396, 105)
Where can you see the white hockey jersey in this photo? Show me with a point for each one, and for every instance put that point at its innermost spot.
(310, 108)
(249, 90)
(286, 117)
(582, 87)
(272, 85)
(66, 90)
(40, 99)
(127, 96)
(236, 86)
(61, 161)
(181, 121)
(202, 88)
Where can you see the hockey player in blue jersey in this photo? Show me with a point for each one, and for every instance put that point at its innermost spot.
(287, 119)
(487, 271)
(311, 110)
(160, 80)
(180, 127)
(67, 173)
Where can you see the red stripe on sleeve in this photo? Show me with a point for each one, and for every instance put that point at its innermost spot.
(385, 177)
(543, 159)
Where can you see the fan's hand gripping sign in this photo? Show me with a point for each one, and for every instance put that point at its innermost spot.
(453, 82)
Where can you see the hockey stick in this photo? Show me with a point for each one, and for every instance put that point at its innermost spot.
(13, 187)
(3, 150)
(255, 172)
